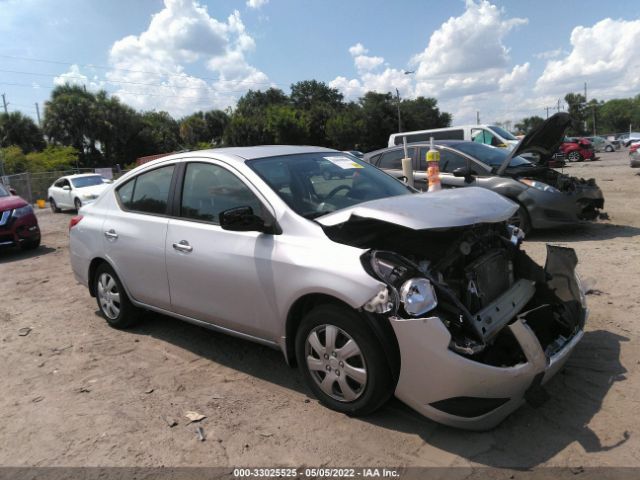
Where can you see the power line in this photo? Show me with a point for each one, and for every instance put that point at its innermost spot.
(84, 78)
(102, 67)
(123, 92)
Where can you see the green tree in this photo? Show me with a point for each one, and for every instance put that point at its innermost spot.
(193, 130)
(18, 129)
(380, 119)
(117, 129)
(616, 115)
(578, 112)
(13, 160)
(319, 102)
(286, 125)
(345, 130)
(529, 123)
(51, 158)
(70, 118)
(422, 114)
(216, 121)
(255, 102)
(160, 133)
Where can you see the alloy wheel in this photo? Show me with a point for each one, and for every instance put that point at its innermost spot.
(109, 296)
(574, 157)
(336, 363)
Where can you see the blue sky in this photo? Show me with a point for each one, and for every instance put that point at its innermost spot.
(506, 59)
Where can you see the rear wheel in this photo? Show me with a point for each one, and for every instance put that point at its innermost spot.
(115, 306)
(54, 206)
(342, 361)
(575, 156)
(521, 219)
(608, 148)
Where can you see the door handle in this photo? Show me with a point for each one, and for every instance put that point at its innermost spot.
(111, 234)
(183, 246)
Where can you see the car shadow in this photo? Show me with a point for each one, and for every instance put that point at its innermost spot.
(15, 254)
(527, 438)
(589, 232)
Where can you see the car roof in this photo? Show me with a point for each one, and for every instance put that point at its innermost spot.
(80, 175)
(444, 143)
(242, 154)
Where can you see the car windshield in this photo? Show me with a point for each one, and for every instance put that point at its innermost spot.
(82, 182)
(503, 133)
(314, 184)
(4, 192)
(492, 156)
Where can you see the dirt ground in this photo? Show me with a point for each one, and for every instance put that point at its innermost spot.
(75, 392)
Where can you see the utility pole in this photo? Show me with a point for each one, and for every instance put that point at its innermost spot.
(38, 114)
(558, 105)
(547, 109)
(399, 117)
(4, 102)
(477, 117)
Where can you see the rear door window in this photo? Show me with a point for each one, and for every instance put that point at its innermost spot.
(393, 160)
(148, 192)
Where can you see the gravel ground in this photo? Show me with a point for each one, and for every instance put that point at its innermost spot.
(76, 392)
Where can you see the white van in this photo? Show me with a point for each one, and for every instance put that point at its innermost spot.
(487, 134)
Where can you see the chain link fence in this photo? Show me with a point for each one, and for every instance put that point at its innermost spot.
(34, 186)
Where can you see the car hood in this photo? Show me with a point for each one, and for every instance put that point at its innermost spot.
(11, 202)
(420, 211)
(543, 140)
(93, 189)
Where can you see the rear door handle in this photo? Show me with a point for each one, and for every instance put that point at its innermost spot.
(111, 234)
(183, 246)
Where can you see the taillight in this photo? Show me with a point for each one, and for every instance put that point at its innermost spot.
(74, 221)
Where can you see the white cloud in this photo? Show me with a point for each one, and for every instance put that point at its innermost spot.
(182, 37)
(550, 54)
(465, 64)
(515, 79)
(472, 42)
(604, 55)
(256, 4)
(75, 77)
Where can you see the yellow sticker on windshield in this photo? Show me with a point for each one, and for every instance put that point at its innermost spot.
(344, 162)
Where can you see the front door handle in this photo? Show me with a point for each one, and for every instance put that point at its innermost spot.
(111, 234)
(183, 246)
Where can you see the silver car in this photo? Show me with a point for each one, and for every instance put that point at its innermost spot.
(370, 287)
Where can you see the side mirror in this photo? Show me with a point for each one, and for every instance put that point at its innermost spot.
(66, 187)
(12, 191)
(465, 172)
(241, 219)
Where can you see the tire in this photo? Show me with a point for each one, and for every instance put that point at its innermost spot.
(77, 203)
(114, 305)
(608, 148)
(575, 156)
(54, 206)
(30, 244)
(521, 220)
(359, 382)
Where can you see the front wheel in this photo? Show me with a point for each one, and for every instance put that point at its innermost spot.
(608, 148)
(342, 361)
(30, 244)
(575, 156)
(54, 206)
(521, 219)
(115, 306)
(77, 203)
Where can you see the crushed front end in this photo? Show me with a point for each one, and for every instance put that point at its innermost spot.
(480, 326)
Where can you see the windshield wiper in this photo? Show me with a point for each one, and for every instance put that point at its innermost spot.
(312, 215)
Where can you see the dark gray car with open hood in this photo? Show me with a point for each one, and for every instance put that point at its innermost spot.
(546, 197)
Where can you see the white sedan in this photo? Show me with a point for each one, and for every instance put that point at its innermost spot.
(74, 191)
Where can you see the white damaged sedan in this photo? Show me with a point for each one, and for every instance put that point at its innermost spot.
(371, 288)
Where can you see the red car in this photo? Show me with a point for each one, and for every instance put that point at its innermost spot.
(577, 149)
(18, 223)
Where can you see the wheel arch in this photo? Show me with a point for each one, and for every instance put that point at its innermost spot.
(378, 324)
